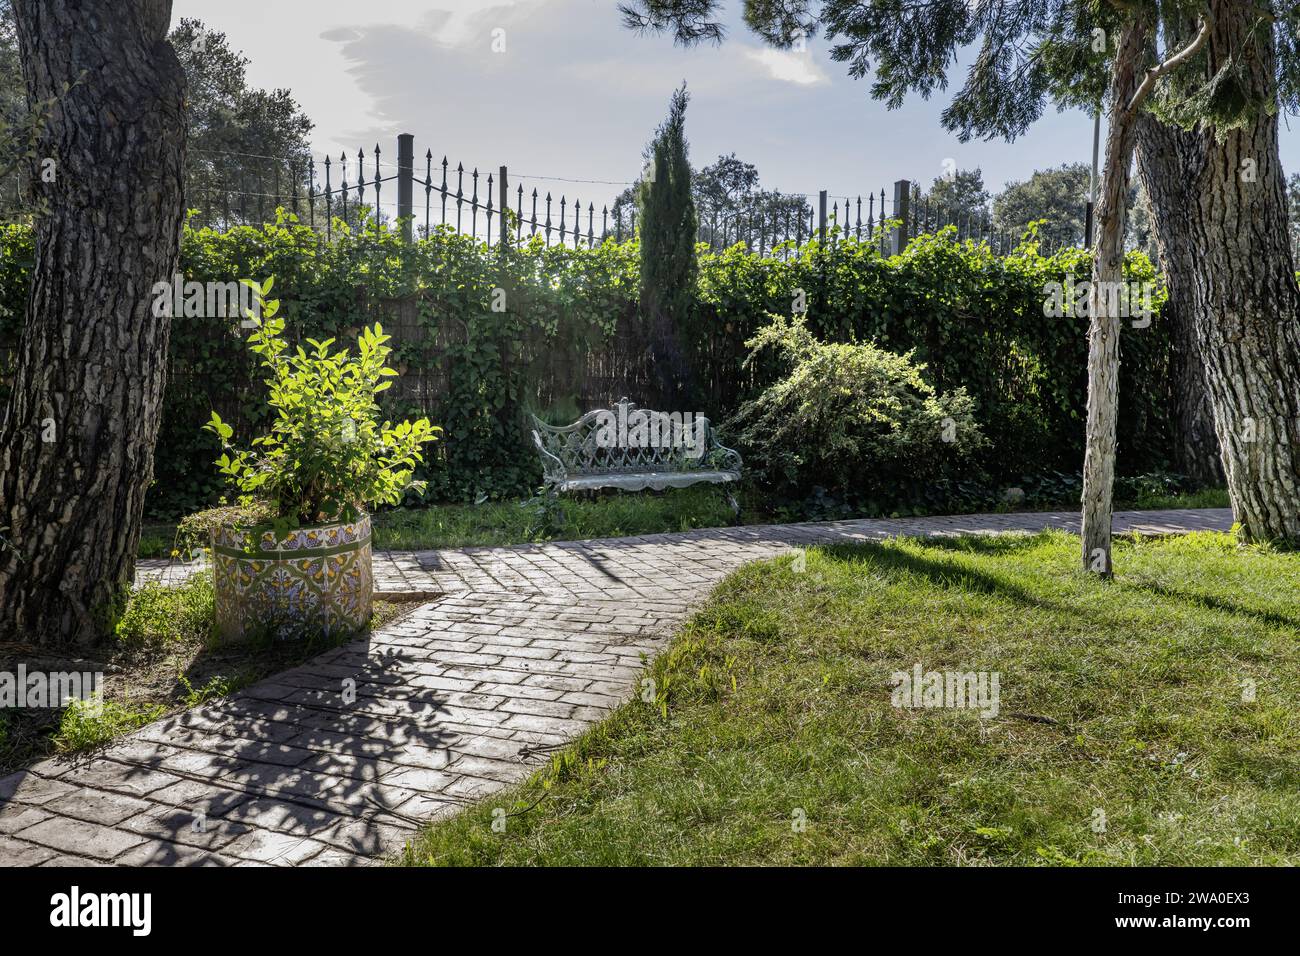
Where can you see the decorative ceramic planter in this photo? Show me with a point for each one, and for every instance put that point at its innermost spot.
(306, 582)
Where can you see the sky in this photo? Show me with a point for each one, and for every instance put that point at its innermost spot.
(560, 92)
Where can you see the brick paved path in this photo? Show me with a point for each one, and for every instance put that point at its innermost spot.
(338, 761)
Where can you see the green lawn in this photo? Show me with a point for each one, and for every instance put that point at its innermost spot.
(514, 522)
(1125, 733)
(612, 515)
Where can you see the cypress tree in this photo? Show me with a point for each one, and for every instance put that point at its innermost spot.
(668, 267)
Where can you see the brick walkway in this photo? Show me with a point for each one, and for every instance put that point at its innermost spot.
(339, 760)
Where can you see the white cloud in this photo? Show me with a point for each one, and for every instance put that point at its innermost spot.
(456, 22)
(789, 66)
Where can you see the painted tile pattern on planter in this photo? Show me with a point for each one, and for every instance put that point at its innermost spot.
(309, 580)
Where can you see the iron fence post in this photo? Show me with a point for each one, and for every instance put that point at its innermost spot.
(505, 204)
(405, 183)
(902, 204)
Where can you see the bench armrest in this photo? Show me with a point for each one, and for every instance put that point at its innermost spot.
(720, 456)
(553, 470)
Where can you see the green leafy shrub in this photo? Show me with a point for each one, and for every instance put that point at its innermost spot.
(849, 417)
(194, 532)
(158, 614)
(91, 723)
(973, 318)
(326, 456)
(218, 686)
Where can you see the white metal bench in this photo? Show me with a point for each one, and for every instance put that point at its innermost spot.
(633, 449)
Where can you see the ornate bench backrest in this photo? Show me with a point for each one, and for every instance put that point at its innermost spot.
(624, 439)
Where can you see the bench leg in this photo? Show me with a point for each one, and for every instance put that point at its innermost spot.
(735, 505)
(549, 507)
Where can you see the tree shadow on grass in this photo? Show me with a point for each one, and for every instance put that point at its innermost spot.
(943, 572)
(1210, 603)
(997, 545)
(951, 574)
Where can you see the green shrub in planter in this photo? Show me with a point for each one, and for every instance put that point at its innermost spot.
(850, 418)
(326, 459)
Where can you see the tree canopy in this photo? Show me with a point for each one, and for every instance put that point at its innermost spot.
(1058, 195)
(1025, 55)
(240, 137)
(730, 204)
(959, 196)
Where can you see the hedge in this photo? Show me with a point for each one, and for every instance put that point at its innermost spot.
(484, 336)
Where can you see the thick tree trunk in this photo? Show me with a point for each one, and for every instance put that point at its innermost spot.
(1104, 322)
(1248, 304)
(1170, 162)
(76, 442)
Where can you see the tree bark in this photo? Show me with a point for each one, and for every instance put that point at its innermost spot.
(1170, 162)
(1247, 314)
(1104, 320)
(77, 437)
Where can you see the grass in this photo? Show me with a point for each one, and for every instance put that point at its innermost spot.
(503, 523)
(156, 540)
(515, 522)
(160, 614)
(93, 723)
(1207, 498)
(1126, 732)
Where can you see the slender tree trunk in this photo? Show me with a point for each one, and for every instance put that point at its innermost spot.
(1247, 301)
(1103, 308)
(76, 442)
(1170, 162)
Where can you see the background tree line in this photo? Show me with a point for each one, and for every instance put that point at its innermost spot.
(241, 138)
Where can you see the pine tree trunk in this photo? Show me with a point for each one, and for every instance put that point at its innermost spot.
(1170, 162)
(76, 442)
(1247, 301)
(1104, 323)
